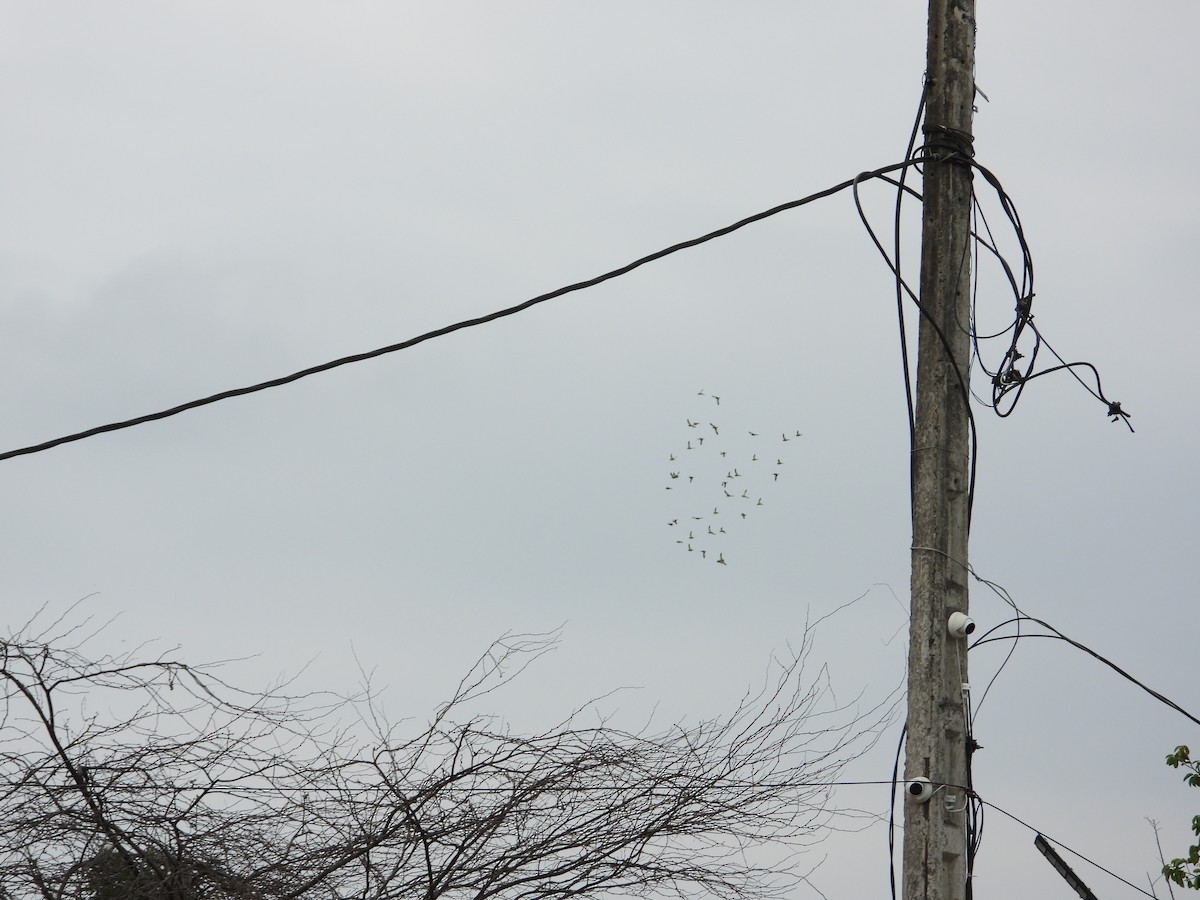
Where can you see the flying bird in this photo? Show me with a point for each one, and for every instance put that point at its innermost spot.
(754, 434)
(674, 474)
(692, 424)
(672, 457)
(714, 428)
(721, 559)
(759, 503)
(786, 438)
(718, 399)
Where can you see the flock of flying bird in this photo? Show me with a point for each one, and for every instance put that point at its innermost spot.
(721, 475)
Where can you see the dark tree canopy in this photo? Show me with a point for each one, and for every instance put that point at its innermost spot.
(142, 777)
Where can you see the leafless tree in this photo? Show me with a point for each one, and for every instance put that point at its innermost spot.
(140, 777)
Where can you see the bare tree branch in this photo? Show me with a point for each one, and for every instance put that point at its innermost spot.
(141, 777)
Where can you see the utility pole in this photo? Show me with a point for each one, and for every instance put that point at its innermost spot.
(935, 831)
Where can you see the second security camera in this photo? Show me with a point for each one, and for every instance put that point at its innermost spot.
(919, 789)
(960, 625)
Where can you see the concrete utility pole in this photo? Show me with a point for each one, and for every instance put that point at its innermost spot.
(935, 830)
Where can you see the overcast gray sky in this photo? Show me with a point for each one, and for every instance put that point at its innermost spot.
(203, 195)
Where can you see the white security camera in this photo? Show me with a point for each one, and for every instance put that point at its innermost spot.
(960, 625)
(918, 789)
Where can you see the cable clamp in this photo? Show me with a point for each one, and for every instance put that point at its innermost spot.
(1007, 377)
(959, 144)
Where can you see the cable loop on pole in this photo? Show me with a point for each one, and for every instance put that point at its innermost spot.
(948, 144)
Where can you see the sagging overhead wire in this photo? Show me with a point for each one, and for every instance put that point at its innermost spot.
(457, 326)
(1070, 850)
(234, 787)
(989, 637)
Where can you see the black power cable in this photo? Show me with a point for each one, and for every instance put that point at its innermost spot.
(457, 326)
(903, 286)
(1070, 850)
(891, 833)
(900, 193)
(1057, 635)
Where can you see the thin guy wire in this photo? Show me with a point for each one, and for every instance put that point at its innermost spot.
(1052, 840)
